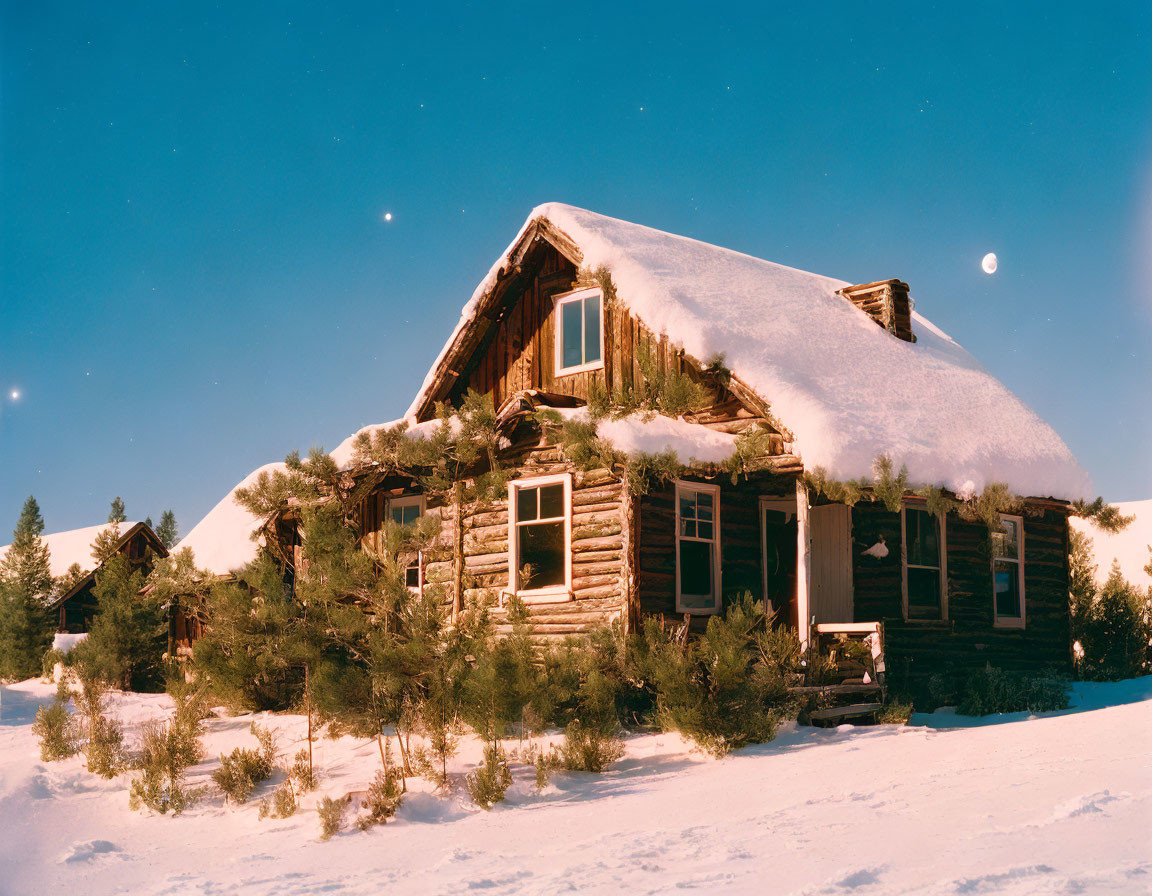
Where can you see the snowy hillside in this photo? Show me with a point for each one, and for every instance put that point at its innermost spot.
(1061, 804)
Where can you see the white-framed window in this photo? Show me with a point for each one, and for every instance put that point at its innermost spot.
(579, 331)
(540, 538)
(1008, 572)
(697, 548)
(405, 511)
(925, 564)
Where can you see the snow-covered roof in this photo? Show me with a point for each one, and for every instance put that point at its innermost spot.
(72, 546)
(642, 433)
(342, 454)
(1130, 546)
(222, 541)
(846, 388)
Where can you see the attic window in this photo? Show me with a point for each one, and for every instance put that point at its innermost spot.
(579, 331)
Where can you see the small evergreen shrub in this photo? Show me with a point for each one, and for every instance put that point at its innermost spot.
(282, 803)
(895, 712)
(57, 732)
(301, 772)
(491, 780)
(384, 796)
(331, 814)
(242, 769)
(104, 737)
(727, 688)
(105, 748)
(993, 690)
(164, 755)
(589, 749)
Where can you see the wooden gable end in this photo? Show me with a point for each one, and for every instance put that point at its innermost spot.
(511, 346)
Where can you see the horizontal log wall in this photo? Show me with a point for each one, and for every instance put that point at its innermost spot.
(968, 640)
(597, 550)
(740, 548)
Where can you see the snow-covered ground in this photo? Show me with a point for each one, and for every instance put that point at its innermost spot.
(1059, 804)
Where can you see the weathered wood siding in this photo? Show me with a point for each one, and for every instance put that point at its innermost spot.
(968, 639)
(598, 588)
(517, 351)
(741, 560)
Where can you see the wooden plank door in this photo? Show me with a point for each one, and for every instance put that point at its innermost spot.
(831, 585)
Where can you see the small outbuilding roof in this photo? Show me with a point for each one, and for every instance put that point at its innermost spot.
(74, 546)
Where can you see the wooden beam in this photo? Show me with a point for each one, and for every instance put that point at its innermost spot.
(803, 562)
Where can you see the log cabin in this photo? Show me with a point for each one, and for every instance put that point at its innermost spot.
(833, 375)
(76, 605)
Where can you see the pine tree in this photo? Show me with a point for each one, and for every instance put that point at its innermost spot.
(25, 587)
(148, 522)
(167, 531)
(128, 635)
(252, 655)
(106, 542)
(116, 513)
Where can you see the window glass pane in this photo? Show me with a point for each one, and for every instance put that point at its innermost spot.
(571, 353)
(704, 506)
(526, 504)
(688, 527)
(696, 574)
(412, 576)
(687, 505)
(405, 514)
(1007, 583)
(1005, 543)
(923, 540)
(551, 501)
(591, 329)
(541, 553)
(924, 593)
(704, 530)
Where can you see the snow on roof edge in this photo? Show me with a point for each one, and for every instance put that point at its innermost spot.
(975, 432)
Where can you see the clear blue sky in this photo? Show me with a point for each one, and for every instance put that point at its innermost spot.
(195, 277)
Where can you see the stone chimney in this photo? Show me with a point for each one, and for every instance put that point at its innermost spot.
(886, 302)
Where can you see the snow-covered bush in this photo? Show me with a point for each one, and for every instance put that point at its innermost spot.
(242, 769)
(56, 730)
(491, 780)
(994, 691)
(384, 796)
(331, 814)
(167, 750)
(589, 748)
(103, 736)
(282, 803)
(164, 756)
(301, 773)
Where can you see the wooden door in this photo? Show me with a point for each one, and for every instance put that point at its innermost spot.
(831, 586)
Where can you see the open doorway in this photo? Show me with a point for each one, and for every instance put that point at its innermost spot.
(778, 527)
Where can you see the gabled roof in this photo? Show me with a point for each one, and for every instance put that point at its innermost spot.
(75, 546)
(222, 540)
(847, 389)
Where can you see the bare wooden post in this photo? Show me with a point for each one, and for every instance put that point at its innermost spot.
(803, 562)
(628, 558)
